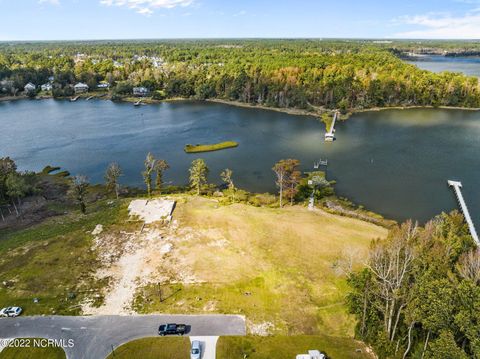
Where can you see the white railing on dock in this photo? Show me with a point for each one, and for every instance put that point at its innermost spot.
(457, 187)
(330, 135)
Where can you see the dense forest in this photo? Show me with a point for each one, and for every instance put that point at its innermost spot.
(419, 296)
(306, 74)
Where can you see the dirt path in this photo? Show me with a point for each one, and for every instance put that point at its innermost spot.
(130, 260)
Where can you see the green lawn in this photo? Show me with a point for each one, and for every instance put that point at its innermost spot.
(282, 269)
(254, 347)
(287, 347)
(53, 261)
(32, 352)
(154, 348)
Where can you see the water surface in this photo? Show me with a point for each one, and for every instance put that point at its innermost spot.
(394, 162)
(470, 66)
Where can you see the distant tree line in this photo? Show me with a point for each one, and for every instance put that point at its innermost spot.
(282, 73)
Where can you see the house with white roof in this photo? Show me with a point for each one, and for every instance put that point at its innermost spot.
(46, 87)
(81, 87)
(29, 87)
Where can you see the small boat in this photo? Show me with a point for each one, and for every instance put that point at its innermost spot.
(89, 98)
(138, 103)
(73, 99)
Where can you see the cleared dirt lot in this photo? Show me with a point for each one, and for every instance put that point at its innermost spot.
(282, 268)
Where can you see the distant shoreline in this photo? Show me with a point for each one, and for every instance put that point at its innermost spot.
(376, 109)
(290, 111)
(317, 113)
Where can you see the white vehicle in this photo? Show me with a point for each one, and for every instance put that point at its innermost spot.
(196, 351)
(312, 354)
(10, 312)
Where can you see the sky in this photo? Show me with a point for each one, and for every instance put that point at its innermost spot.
(157, 19)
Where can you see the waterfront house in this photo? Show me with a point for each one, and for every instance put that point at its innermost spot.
(46, 87)
(80, 87)
(140, 91)
(29, 87)
(6, 86)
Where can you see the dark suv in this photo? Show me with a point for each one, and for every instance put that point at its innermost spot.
(172, 329)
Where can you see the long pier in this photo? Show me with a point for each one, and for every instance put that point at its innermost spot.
(457, 187)
(330, 135)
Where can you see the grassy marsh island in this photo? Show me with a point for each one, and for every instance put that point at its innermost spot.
(210, 147)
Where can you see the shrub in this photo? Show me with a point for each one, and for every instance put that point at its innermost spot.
(261, 200)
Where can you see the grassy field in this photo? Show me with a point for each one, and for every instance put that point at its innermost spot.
(154, 348)
(53, 261)
(209, 148)
(251, 347)
(282, 268)
(287, 347)
(32, 352)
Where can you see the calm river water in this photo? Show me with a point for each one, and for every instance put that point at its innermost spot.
(394, 162)
(470, 66)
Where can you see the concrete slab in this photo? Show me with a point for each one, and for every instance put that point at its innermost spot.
(208, 345)
(150, 211)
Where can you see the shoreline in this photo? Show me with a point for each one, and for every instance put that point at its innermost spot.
(418, 107)
(317, 113)
(289, 111)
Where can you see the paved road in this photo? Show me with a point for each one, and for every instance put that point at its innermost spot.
(94, 336)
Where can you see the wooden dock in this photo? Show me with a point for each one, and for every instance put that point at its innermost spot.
(458, 191)
(330, 135)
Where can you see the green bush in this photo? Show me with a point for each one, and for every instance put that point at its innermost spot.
(263, 199)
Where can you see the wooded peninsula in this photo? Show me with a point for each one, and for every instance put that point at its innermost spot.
(305, 74)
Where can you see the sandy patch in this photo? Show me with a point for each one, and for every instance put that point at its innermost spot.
(98, 229)
(129, 260)
(151, 211)
(133, 260)
(261, 329)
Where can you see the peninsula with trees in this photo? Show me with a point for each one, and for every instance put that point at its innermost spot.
(312, 75)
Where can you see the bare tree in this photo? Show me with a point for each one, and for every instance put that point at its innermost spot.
(226, 177)
(287, 178)
(391, 262)
(160, 167)
(150, 164)
(469, 266)
(281, 173)
(112, 174)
